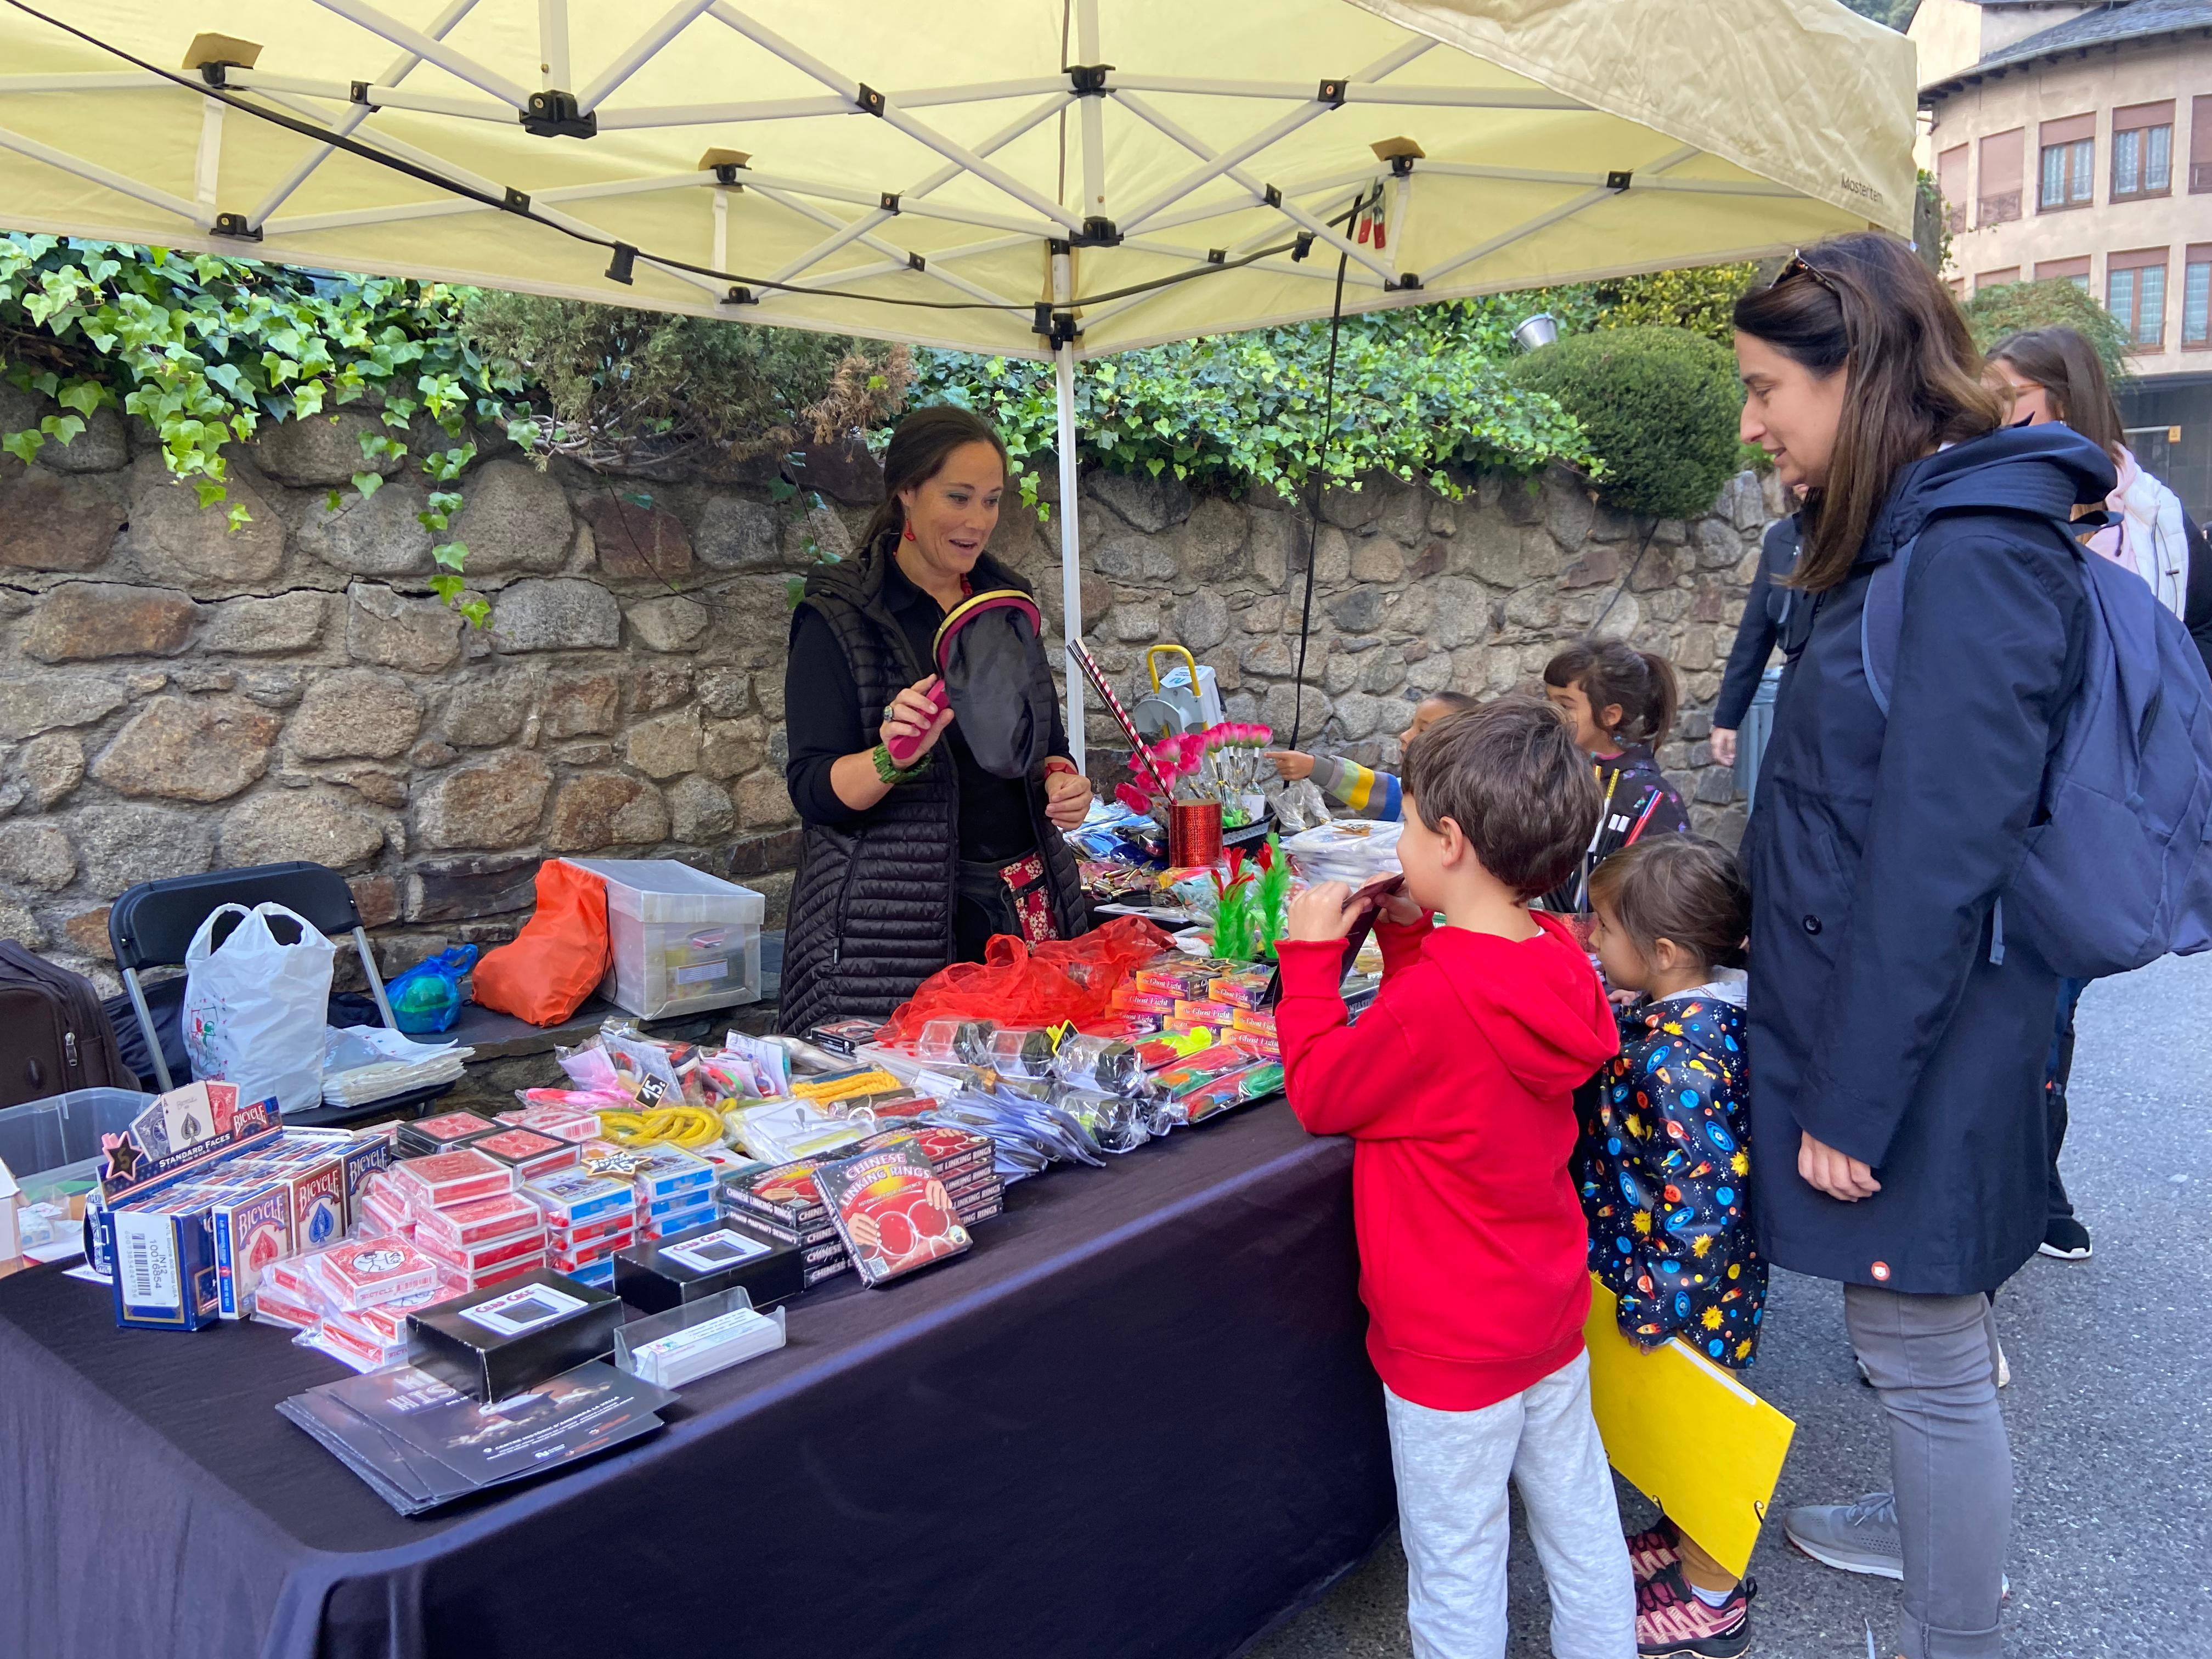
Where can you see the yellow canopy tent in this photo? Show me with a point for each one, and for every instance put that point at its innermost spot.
(1049, 178)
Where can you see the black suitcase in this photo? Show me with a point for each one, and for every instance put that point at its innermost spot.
(54, 1035)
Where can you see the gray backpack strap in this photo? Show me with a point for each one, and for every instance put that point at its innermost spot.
(1882, 624)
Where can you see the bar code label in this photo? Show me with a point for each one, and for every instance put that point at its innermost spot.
(705, 971)
(146, 1257)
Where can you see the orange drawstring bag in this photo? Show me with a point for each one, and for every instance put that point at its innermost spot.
(560, 955)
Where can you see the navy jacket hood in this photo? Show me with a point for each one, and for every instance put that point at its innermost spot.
(2048, 469)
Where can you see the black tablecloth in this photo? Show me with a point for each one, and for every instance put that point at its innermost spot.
(1136, 1420)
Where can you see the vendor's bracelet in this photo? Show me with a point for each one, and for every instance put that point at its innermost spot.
(890, 773)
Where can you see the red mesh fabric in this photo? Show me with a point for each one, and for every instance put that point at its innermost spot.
(1018, 985)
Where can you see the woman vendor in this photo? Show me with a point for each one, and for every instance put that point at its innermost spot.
(904, 868)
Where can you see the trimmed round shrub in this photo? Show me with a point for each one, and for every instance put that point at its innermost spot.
(1660, 406)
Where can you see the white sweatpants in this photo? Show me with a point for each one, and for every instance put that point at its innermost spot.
(1452, 1467)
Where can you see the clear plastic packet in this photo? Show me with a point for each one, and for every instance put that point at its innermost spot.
(590, 1068)
(955, 1042)
(1022, 1051)
(1105, 1063)
(1237, 1089)
(1115, 1122)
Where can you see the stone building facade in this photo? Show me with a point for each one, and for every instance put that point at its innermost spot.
(176, 696)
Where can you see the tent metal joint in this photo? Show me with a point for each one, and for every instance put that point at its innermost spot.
(870, 101)
(891, 201)
(1097, 231)
(1089, 80)
(1057, 326)
(359, 90)
(556, 115)
(236, 226)
(1405, 283)
(740, 296)
(1618, 181)
(623, 267)
(515, 201)
(1331, 93)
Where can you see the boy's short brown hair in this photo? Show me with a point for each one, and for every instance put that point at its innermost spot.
(1509, 774)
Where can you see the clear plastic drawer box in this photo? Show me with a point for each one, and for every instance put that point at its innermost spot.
(683, 940)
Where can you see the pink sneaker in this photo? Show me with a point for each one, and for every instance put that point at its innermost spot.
(1672, 1623)
(1660, 1547)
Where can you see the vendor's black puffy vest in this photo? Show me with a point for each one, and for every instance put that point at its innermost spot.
(872, 912)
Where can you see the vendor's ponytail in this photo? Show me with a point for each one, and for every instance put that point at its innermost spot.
(919, 445)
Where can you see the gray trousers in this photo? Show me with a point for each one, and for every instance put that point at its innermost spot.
(1933, 1359)
(1452, 1469)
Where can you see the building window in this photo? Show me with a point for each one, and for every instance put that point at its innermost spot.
(2135, 292)
(2196, 297)
(1999, 201)
(1990, 279)
(2076, 271)
(2142, 151)
(2067, 174)
(2200, 143)
(1951, 185)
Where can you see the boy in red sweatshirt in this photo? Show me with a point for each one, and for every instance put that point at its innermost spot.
(1455, 1089)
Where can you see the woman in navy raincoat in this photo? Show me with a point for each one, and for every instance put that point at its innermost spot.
(1897, 1132)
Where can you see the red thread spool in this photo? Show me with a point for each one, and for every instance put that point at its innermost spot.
(1194, 834)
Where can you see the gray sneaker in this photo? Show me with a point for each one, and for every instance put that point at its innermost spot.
(1861, 1537)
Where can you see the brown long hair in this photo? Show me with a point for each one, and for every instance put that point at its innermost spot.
(1682, 887)
(2066, 366)
(1865, 304)
(919, 448)
(1609, 672)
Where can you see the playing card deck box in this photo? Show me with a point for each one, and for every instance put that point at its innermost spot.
(445, 1133)
(576, 1199)
(314, 1184)
(370, 1273)
(477, 1261)
(481, 1221)
(438, 1181)
(165, 1276)
(527, 1152)
(495, 1343)
(657, 1275)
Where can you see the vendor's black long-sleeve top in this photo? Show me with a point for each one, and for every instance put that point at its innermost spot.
(822, 720)
(1756, 634)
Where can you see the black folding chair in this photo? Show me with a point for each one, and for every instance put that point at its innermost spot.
(152, 925)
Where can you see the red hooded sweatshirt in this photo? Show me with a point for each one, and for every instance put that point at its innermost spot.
(1455, 1088)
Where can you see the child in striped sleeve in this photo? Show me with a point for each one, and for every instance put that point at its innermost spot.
(1369, 794)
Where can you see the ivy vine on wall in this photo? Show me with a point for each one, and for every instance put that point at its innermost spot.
(205, 349)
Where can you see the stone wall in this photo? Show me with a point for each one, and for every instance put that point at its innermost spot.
(175, 696)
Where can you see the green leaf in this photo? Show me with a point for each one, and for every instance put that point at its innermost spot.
(368, 483)
(240, 518)
(476, 611)
(447, 588)
(332, 500)
(209, 491)
(25, 445)
(452, 554)
(84, 395)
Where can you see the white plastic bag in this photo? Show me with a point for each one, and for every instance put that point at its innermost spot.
(255, 1007)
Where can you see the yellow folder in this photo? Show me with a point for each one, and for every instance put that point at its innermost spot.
(1686, 1434)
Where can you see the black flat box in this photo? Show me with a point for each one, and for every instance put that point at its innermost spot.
(732, 1253)
(509, 1337)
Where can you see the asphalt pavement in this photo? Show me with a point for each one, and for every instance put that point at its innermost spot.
(2111, 1433)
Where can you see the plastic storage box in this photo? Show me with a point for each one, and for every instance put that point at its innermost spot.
(58, 1139)
(683, 940)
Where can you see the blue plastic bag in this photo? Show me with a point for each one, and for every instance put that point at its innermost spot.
(429, 996)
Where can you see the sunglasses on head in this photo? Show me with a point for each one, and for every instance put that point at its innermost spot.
(1799, 265)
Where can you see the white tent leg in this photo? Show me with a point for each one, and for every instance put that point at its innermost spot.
(1071, 540)
(1071, 544)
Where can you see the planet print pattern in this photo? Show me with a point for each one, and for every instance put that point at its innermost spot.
(1663, 1168)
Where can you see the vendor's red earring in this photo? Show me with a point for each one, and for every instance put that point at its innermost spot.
(909, 532)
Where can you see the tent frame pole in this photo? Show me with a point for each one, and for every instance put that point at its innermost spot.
(1071, 540)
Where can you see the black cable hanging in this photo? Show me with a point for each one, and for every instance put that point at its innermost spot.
(1313, 514)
